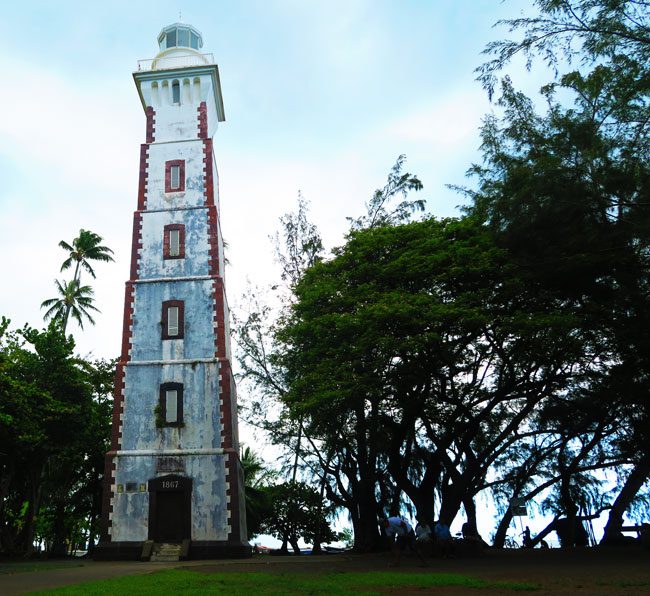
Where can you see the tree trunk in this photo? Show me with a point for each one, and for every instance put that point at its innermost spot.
(35, 479)
(366, 530)
(502, 529)
(450, 505)
(294, 544)
(633, 484)
(5, 484)
(58, 541)
(69, 306)
(470, 511)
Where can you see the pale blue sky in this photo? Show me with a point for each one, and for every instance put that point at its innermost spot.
(319, 97)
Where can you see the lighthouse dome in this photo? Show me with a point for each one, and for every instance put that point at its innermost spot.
(181, 36)
(180, 46)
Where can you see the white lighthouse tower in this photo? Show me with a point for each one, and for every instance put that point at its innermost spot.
(173, 474)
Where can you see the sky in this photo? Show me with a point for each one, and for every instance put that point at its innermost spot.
(320, 97)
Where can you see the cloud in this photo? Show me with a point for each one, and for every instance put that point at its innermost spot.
(76, 131)
(73, 150)
(447, 124)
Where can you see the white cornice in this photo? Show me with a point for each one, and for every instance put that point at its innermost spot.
(156, 75)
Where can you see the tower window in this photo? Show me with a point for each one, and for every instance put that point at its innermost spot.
(176, 92)
(173, 319)
(174, 241)
(175, 175)
(171, 404)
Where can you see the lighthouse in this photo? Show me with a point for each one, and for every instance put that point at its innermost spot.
(173, 475)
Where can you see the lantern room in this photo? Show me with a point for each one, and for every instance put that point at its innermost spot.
(180, 35)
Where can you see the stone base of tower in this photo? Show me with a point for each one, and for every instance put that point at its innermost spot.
(219, 550)
(118, 551)
(173, 496)
(199, 550)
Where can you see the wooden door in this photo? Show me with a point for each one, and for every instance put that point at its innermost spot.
(169, 516)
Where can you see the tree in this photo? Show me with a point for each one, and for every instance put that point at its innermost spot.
(73, 299)
(301, 245)
(377, 213)
(85, 248)
(298, 511)
(418, 357)
(566, 192)
(583, 31)
(257, 489)
(44, 393)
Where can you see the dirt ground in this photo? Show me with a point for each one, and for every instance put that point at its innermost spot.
(578, 572)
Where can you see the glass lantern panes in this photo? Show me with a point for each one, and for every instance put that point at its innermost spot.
(184, 37)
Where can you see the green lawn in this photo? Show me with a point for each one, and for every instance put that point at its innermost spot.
(179, 581)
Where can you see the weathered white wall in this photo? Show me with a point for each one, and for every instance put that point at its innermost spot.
(152, 264)
(192, 196)
(175, 121)
(209, 499)
(190, 360)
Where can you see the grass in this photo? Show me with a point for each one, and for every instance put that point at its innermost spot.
(178, 581)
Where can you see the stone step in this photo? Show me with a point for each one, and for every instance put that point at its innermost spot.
(164, 558)
(166, 552)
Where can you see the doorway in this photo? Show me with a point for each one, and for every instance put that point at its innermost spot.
(170, 507)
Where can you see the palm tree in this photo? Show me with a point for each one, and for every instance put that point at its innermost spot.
(86, 247)
(257, 479)
(73, 300)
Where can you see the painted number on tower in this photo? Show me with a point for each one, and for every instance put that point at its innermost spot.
(170, 484)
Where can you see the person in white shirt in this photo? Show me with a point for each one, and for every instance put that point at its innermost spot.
(402, 531)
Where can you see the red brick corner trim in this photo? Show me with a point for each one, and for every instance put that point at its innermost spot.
(143, 177)
(208, 177)
(151, 124)
(203, 120)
